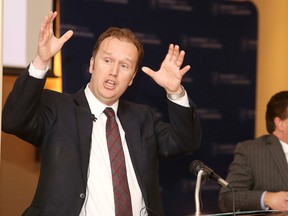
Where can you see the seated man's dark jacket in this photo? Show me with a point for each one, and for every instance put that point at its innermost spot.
(259, 165)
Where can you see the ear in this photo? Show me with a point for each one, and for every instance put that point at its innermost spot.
(91, 65)
(131, 81)
(278, 123)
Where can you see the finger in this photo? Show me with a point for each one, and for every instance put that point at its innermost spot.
(66, 36)
(148, 71)
(43, 26)
(47, 25)
(169, 54)
(180, 59)
(175, 54)
(50, 21)
(185, 69)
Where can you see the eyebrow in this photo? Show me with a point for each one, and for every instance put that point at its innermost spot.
(110, 54)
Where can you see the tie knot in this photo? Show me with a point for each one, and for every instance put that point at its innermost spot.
(109, 112)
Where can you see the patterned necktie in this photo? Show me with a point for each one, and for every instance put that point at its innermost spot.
(122, 197)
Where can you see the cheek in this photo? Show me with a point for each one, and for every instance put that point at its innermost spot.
(131, 81)
(285, 130)
(97, 71)
(128, 80)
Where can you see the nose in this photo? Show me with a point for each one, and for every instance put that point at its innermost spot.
(114, 69)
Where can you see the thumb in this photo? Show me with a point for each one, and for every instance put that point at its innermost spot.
(66, 36)
(148, 71)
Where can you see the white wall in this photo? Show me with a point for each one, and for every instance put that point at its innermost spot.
(19, 169)
(22, 20)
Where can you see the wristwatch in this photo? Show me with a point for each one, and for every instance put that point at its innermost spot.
(178, 95)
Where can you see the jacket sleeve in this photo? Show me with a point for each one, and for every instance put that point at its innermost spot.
(184, 130)
(20, 115)
(241, 178)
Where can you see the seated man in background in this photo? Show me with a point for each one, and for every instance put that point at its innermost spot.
(259, 171)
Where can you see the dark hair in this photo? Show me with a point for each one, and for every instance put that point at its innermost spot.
(122, 34)
(276, 107)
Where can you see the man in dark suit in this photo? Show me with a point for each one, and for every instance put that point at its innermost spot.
(69, 129)
(259, 171)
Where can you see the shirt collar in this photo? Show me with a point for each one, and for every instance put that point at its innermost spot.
(96, 106)
(284, 146)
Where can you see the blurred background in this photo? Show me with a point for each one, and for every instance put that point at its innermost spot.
(238, 52)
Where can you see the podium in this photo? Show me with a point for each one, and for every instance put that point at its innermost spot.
(253, 213)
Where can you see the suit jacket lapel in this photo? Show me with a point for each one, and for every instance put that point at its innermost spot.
(85, 125)
(128, 122)
(133, 139)
(279, 157)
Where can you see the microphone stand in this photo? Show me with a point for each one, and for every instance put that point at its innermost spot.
(197, 191)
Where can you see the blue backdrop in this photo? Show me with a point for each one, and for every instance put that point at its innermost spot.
(220, 40)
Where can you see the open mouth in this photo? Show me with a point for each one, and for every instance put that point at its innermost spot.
(110, 84)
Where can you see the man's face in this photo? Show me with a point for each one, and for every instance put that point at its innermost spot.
(112, 69)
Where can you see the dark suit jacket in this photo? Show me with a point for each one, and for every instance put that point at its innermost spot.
(259, 165)
(61, 126)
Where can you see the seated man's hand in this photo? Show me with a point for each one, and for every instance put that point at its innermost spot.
(276, 200)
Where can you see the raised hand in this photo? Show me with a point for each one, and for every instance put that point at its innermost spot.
(170, 74)
(48, 44)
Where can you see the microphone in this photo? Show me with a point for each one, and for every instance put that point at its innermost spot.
(208, 173)
(93, 117)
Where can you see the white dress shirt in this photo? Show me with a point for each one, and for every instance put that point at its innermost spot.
(99, 194)
(285, 149)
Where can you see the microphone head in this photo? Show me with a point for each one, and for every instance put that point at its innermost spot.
(208, 173)
(195, 167)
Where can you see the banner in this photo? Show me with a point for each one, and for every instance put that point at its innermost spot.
(220, 41)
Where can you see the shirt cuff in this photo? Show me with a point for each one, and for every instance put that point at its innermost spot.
(36, 73)
(183, 101)
(262, 201)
